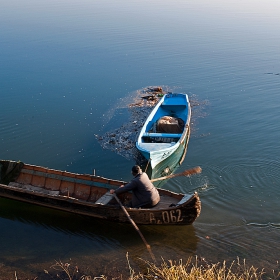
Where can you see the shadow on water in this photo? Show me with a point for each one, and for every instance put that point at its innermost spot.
(104, 233)
(41, 235)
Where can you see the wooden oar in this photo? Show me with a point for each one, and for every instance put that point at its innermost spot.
(147, 164)
(136, 227)
(188, 172)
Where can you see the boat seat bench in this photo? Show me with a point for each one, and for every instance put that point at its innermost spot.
(31, 188)
(105, 199)
(163, 135)
(175, 107)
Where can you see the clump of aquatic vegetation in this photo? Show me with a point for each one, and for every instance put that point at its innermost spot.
(192, 269)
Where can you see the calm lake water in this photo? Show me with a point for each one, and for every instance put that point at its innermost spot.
(67, 68)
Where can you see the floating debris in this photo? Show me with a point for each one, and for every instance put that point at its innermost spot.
(122, 140)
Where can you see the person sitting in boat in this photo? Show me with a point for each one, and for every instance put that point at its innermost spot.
(145, 195)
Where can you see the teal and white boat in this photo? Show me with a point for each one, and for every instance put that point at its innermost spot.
(166, 128)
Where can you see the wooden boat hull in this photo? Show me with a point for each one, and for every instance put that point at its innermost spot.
(81, 193)
(155, 146)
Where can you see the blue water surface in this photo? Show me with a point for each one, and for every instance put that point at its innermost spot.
(66, 69)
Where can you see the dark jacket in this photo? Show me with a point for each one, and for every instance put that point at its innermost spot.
(144, 192)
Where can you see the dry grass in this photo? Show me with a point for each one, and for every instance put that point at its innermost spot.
(65, 271)
(172, 270)
(193, 271)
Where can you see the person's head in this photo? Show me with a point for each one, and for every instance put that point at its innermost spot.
(136, 169)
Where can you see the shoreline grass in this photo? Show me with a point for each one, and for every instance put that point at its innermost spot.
(192, 269)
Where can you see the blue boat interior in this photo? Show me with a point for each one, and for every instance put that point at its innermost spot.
(168, 110)
(150, 135)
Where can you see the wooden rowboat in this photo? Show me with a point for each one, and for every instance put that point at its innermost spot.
(89, 195)
(166, 128)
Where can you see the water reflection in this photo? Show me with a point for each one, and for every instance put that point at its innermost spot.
(85, 227)
(50, 234)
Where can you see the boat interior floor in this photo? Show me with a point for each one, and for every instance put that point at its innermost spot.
(165, 202)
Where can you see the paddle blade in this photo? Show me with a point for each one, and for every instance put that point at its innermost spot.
(188, 172)
(195, 170)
